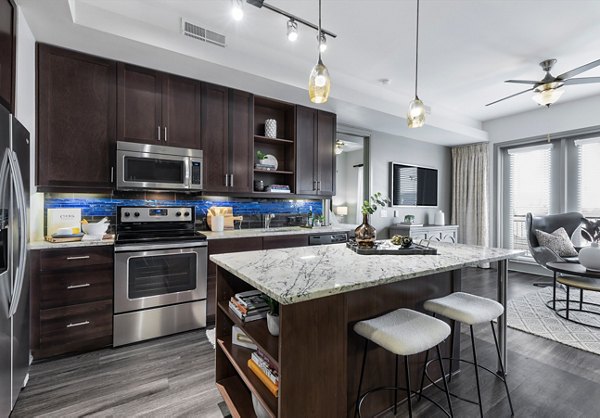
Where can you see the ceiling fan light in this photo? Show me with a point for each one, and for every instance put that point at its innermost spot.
(237, 10)
(547, 97)
(416, 113)
(319, 83)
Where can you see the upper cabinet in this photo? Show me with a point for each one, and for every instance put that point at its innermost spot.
(157, 108)
(76, 120)
(315, 156)
(7, 54)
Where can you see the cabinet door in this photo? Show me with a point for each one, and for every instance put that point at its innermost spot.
(326, 153)
(139, 105)
(215, 137)
(7, 53)
(181, 112)
(241, 144)
(76, 120)
(306, 134)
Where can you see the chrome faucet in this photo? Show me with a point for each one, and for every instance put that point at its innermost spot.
(268, 218)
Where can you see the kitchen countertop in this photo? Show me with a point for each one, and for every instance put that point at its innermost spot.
(232, 233)
(291, 275)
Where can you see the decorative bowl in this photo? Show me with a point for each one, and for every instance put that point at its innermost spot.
(95, 229)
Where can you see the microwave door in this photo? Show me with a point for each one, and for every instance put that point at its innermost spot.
(140, 170)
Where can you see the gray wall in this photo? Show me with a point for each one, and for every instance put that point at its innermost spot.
(385, 148)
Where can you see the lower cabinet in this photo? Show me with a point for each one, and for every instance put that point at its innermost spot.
(443, 233)
(71, 300)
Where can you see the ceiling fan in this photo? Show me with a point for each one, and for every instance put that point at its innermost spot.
(549, 89)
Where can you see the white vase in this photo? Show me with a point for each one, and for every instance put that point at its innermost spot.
(271, 128)
(589, 257)
(439, 218)
(273, 324)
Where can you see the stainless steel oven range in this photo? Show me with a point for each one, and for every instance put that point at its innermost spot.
(160, 273)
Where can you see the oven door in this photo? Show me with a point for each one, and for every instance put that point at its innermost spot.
(159, 275)
(146, 170)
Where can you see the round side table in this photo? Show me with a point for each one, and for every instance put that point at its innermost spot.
(577, 276)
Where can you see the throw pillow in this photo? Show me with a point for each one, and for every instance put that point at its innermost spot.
(558, 241)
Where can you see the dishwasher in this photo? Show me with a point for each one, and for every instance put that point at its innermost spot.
(325, 239)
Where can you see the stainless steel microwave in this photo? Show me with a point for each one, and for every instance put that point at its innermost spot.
(156, 167)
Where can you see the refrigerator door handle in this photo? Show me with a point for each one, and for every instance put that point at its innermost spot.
(21, 211)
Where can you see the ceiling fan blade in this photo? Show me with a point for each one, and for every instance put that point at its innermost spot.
(522, 81)
(579, 70)
(583, 80)
(508, 97)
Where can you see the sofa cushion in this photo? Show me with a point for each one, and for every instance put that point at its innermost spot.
(558, 241)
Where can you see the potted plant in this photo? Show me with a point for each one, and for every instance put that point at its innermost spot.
(365, 234)
(272, 315)
(589, 257)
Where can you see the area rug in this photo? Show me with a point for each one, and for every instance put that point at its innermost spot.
(211, 336)
(530, 314)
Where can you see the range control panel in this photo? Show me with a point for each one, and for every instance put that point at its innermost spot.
(156, 214)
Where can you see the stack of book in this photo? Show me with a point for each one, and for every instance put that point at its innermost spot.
(278, 188)
(249, 306)
(264, 370)
(265, 167)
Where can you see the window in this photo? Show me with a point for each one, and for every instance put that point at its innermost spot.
(588, 177)
(529, 189)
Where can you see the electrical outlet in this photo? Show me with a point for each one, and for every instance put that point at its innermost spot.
(383, 213)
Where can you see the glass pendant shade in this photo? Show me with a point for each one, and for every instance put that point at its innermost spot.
(319, 83)
(547, 97)
(416, 113)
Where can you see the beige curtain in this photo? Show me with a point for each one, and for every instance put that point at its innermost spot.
(470, 194)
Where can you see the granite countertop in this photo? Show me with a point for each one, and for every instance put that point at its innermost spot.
(233, 233)
(286, 230)
(293, 275)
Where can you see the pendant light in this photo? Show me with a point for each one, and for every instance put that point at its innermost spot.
(319, 82)
(416, 109)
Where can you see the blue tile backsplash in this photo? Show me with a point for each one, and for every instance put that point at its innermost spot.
(107, 206)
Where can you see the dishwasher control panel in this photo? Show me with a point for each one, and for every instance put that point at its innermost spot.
(336, 238)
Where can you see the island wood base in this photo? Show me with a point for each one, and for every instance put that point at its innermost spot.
(318, 354)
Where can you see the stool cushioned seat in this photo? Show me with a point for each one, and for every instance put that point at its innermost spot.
(466, 308)
(404, 331)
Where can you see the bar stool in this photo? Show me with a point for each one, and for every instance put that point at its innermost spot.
(471, 310)
(403, 332)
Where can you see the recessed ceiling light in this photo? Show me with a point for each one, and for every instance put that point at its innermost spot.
(292, 30)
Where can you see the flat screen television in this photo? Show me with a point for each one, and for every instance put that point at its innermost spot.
(411, 185)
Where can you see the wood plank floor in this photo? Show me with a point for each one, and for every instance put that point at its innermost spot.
(173, 376)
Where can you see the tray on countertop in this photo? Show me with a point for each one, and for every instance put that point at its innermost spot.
(387, 248)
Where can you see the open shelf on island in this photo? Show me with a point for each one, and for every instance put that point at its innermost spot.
(258, 332)
(238, 357)
(268, 140)
(236, 396)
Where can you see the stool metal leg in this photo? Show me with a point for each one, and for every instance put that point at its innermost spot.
(452, 337)
(554, 292)
(437, 347)
(512, 411)
(476, 371)
(423, 375)
(396, 386)
(568, 300)
(581, 299)
(362, 372)
(408, 392)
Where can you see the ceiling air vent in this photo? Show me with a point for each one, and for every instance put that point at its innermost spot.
(201, 34)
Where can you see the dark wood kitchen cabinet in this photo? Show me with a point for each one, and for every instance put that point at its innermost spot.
(315, 156)
(71, 300)
(7, 53)
(76, 127)
(241, 145)
(157, 108)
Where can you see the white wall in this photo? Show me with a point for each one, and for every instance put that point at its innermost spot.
(347, 183)
(25, 112)
(385, 148)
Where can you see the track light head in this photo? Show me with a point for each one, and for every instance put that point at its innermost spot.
(292, 30)
(322, 42)
(237, 9)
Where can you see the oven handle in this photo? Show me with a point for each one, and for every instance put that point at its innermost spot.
(151, 247)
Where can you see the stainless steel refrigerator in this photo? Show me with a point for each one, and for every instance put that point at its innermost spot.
(14, 265)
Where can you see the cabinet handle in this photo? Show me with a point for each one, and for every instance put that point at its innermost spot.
(77, 286)
(231, 180)
(112, 174)
(79, 257)
(314, 185)
(226, 180)
(78, 324)
(158, 129)
(319, 185)
(165, 134)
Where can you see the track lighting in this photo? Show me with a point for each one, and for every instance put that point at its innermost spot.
(322, 42)
(237, 11)
(292, 30)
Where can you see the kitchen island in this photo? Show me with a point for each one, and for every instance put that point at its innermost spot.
(323, 292)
